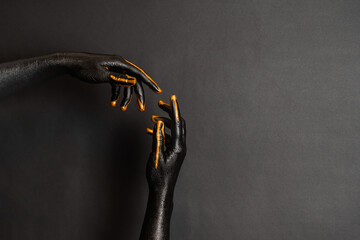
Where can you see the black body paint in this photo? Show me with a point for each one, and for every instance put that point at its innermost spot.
(162, 178)
(92, 68)
(168, 151)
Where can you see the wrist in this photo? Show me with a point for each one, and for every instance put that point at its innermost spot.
(161, 201)
(163, 192)
(62, 60)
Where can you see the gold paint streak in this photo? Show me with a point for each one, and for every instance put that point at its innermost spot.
(173, 98)
(163, 103)
(159, 91)
(141, 107)
(148, 130)
(106, 68)
(131, 80)
(163, 132)
(158, 142)
(153, 118)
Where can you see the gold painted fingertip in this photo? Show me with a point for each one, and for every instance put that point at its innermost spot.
(106, 68)
(141, 106)
(163, 103)
(173, 98)
(124, 108)
(153, 118)
(149, 130)
(113, 103)
(158, 91)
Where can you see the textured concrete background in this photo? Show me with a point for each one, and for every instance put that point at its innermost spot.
(270, 91)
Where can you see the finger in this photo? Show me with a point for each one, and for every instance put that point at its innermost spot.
(128, 91)
(158, 141)
(167, 137)
(115, 93)
(145, 78)
(167, 141)
(149, 131)
(175, 108)
(122, 79)
(164, 106)
(139, 91)
(167, 121)
(175, 117)
(183, 127)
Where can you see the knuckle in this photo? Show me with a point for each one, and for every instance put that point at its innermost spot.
(179, 148)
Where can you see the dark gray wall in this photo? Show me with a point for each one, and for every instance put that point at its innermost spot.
(270, 91)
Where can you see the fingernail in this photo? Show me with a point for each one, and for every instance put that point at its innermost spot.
(113, 103)
(141, 107)
(162, 102)
(173, 97)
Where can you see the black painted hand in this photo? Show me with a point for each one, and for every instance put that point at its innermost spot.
(163, 167)
(93, 68)
(168, 150)
(115, 70)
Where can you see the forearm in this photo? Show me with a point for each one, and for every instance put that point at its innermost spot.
(18, 74)
(156, 224)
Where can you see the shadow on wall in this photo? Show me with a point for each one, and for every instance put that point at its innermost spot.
(115, 193)
(125, 178)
